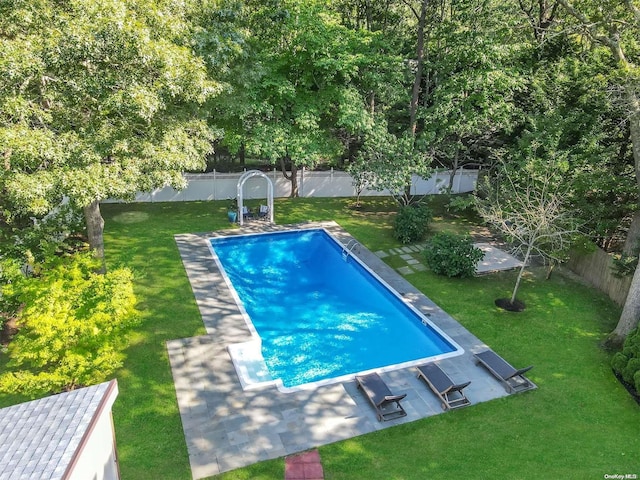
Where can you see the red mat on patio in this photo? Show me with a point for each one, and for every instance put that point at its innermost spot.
(304, 466)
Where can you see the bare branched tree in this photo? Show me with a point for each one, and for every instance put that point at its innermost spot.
(528, 209)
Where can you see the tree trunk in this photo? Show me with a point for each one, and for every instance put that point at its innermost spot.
(631, 310)
(292, 177)
(633, 236)
(521, 273)
(415, 94)
(454, 169)
(241, 154)
(95, 230)
(630, 315)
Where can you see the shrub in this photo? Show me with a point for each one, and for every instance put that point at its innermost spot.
(412, 222)
(627, 362)
(73, 326)
(452, 255)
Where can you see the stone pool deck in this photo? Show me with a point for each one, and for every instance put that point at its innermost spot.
(226, 427)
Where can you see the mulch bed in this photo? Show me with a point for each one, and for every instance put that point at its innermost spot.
(506, 304)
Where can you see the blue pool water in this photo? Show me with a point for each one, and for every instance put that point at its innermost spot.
(318, 315)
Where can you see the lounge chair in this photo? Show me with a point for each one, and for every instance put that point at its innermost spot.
(381, 397)
(513, 378)
(450, 393)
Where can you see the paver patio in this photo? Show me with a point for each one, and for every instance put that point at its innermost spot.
(227, 427)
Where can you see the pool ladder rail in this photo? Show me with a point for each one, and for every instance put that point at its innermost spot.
(348, 249)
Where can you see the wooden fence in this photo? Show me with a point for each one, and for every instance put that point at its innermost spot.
(595, 268)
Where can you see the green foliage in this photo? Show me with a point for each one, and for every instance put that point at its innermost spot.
(293, 94)
(30, 239)
(98, 99)
(10, 272)
(411, 223)
(461, 203)
(624, 265)
(388, 162)
(73, 326)
(627, 362)
(452, 255)
(476, 75)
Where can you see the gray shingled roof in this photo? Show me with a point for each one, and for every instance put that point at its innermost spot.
(38, 439)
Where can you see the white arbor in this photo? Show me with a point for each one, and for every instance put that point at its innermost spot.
(242, 180)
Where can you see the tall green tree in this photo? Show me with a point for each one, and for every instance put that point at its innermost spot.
(615, 26)
(475, 75)
(98, 99)
(293, 96)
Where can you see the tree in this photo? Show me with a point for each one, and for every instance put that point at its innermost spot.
(616, 26)
(476, 75)
(72, 327)
(292, 93)
(528, 207)
(98, 99)
(389, 162)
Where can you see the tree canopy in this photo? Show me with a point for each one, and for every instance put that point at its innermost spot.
(107, 98)
(98, 99)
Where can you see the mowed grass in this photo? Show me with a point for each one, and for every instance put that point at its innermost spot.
(151, 443)
(579, 424)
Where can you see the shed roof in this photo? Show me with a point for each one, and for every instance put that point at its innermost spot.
(41, 438)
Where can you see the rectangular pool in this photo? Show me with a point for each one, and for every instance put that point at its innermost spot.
(317, 314)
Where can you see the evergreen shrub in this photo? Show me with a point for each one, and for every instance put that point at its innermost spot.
(627, 362)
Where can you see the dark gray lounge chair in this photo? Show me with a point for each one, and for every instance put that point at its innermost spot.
(513, 378)
(381, 397)
(450, 393)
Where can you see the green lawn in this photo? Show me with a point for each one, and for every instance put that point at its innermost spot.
(579, 424)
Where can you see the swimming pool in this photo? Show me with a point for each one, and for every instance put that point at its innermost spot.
(317, 314)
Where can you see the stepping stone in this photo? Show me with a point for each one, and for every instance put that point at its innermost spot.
(304, 466)
(419, 268)
(381, 254)
(405, 270)
(413, 261)
(414, 248)
(406, 256)
(406, 250)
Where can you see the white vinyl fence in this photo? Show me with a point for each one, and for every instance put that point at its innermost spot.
(334, 183)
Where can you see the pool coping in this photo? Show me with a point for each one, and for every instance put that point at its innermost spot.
(227, 427)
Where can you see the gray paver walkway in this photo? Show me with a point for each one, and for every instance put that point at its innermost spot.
(227, 427)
